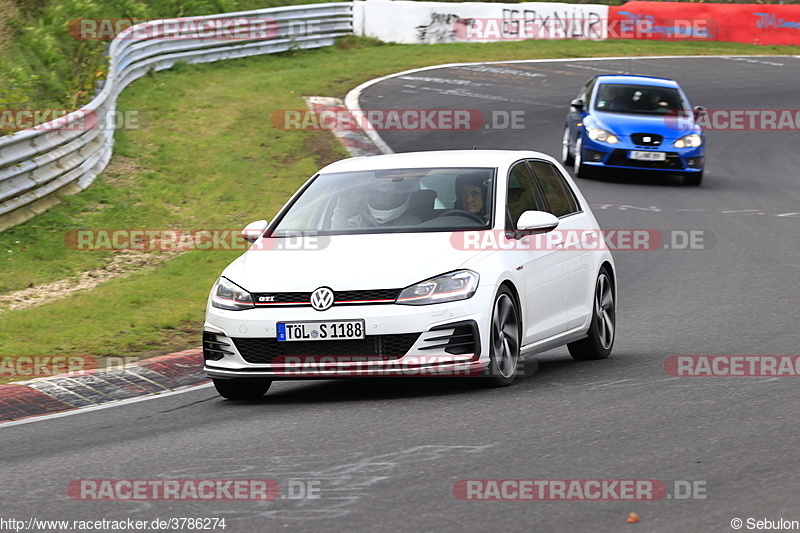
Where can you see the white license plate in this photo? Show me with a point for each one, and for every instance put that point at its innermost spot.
(648, 156)
(321, 331)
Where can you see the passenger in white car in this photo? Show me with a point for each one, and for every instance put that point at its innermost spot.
(471, 193)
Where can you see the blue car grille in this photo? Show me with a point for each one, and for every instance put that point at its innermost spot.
(647, 139)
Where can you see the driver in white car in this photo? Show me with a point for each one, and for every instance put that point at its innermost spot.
(387, 202)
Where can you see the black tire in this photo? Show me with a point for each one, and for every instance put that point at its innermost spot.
(504, 341)
(566, 156)
(693, 178)
(581, 170)
(600, 340)
(242, 388)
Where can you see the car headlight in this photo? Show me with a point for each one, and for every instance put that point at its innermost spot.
(689, 141)
(458, 285)
(228, 295)
(596, 134)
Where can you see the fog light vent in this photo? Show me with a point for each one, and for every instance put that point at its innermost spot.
(594, 156)
(215, 349)
(693, 162)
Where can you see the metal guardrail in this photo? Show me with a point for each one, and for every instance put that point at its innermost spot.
(64, 156)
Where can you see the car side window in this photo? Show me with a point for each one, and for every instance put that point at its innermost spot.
(561, 200)
(522, 195)
(586, 92)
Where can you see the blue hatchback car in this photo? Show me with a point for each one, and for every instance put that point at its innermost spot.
(634, 122)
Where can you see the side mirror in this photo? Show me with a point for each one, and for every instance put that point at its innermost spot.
(699, 112)
(536, 222)
(577, 104)
(253, 230)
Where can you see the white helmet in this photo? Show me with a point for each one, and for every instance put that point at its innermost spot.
(387, 199)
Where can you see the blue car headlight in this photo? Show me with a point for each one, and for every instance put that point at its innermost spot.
(689, 141)
(597, 134)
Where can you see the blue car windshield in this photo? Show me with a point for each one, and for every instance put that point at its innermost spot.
(638, 99)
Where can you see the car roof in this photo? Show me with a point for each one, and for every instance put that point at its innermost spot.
(636, 80)
(443, 158)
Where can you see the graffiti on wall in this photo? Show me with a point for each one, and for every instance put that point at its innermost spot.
(443, 28)
(553, 24)
(404, 21)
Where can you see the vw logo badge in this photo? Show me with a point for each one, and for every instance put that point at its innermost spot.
(322, 299)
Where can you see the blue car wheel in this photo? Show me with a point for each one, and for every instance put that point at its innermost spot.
(581, 170)
(566, 156)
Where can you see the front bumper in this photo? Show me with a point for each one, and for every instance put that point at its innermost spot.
(436, 340)
(409, 367)
(597, 154)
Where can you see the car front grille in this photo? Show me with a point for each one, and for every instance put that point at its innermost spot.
(647, 139)
(368, 296)
(303, 299)
(264, 350)
(619, 158)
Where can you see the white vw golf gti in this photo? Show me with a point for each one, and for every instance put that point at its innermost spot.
(455, 263)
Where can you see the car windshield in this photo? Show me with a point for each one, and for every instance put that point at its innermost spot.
(392, 201)
(638, 99)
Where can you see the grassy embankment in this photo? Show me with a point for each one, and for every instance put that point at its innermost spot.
(42, 66)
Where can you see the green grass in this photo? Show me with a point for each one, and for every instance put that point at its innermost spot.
(207, 156)
(43, 66)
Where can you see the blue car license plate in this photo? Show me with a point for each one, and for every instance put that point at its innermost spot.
(647, 156)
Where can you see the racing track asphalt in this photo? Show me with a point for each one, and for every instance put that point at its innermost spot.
(386, 453)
